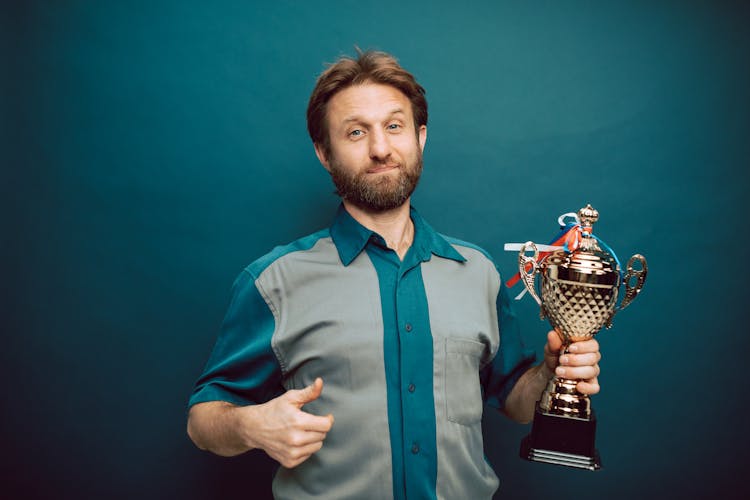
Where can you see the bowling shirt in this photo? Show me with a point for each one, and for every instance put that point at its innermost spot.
(409, 351)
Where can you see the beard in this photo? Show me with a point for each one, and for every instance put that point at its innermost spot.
(377, 193)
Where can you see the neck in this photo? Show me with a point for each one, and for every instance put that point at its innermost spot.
(394, 225)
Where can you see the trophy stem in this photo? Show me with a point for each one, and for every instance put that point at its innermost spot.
(562, 398)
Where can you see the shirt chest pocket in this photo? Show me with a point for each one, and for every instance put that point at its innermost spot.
(463, 394)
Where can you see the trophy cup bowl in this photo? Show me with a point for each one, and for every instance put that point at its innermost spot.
(578, 295)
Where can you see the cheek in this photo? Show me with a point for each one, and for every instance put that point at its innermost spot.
(407, 146)
(352, 154)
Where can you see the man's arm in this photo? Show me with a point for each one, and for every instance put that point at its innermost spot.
(279, 427)
(582, 363)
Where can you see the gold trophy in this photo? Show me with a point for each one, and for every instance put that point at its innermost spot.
(579, 291)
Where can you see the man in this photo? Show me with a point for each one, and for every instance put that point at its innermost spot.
(359, 357)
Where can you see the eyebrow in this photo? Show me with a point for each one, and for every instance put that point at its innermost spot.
(356, 118)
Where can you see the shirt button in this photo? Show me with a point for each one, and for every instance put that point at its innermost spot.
(412, 387)
(415, 448)
(408, 327)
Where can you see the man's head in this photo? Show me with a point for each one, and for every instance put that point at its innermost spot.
(369, 67)
(367, 119)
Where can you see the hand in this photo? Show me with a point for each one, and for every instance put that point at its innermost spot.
(581, 362)
(288, 434)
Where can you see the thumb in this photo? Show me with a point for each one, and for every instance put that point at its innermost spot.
(554, 342)
(552, 350)
(309, 393)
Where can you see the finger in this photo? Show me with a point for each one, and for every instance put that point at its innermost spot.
(314, 423)
(577, 372)
(301, 397)
(304, 438)
(583, 346)
(589, 387)
(298, 455)
(588, 359)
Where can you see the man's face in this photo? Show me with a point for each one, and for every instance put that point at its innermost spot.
(375, 158)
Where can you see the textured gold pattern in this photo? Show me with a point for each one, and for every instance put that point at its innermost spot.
(578, 310)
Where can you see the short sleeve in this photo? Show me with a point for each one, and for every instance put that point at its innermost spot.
(512, 358)
(242, 368)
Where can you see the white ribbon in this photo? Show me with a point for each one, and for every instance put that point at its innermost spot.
(561, 219)
(516, 247)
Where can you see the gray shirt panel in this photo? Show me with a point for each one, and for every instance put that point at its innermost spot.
(329, 324)
(464, 324)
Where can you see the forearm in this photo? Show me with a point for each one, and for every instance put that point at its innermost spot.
(522, 399)
(215, 426)
(279, 426)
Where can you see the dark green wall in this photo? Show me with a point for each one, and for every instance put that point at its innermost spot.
(153, 149)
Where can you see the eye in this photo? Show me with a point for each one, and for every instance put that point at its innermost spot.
(356, 133)
(393, 126)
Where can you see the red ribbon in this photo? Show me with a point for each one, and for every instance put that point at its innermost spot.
(569, 238)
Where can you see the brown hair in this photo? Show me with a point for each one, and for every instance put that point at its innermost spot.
(370, 66)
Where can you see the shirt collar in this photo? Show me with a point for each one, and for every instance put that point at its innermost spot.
(351, 237)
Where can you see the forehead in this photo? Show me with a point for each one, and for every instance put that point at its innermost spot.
(367, 102)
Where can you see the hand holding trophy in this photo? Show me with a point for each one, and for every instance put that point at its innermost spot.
(580, 284)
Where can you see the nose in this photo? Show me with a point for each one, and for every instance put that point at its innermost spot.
(380, 147)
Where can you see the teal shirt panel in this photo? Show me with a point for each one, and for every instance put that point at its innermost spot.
(408, 349)
(242, 368)
(511, 360)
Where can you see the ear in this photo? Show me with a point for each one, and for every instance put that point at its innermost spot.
(422, 136)
(321, 156)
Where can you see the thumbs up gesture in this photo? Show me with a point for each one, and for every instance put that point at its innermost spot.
(286, 432)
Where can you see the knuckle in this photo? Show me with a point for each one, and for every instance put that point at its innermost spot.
(292, 437)
(297, 419)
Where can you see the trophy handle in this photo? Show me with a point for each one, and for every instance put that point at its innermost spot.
(525, 262)
(640, 277)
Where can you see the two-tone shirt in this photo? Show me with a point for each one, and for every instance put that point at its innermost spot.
(409, 351)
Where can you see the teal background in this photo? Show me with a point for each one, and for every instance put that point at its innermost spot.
(153, 149)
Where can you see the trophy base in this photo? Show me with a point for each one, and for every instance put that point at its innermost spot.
(560, 440)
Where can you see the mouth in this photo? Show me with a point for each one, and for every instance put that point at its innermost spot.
(376, 169)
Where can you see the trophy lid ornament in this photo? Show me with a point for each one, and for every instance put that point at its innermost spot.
(588, 215)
